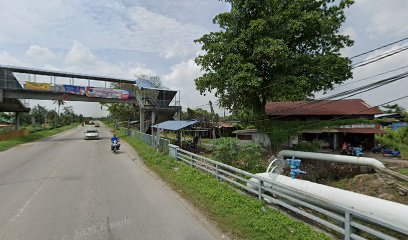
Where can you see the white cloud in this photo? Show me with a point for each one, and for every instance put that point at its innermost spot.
(385, 93)
(7, 59)
(139, 70)
(41, 53)
(102, 24)
(383, 17)
(80, 54)
(182, 77)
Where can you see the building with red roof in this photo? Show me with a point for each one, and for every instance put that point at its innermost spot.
(326, 110)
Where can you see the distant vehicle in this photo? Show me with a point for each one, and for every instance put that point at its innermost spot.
(91, 134)
(91, 123)
(97, 124)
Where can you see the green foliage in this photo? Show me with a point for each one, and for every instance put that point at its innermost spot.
(41, 115)
(225, 150)
(397, 139)
(393, 108)
(280, 131)
(242, 216)
(309, 146)
(274, 50)
(250, 158)
(6, 144)
(199, 114)
(123, 112)
(244, 156)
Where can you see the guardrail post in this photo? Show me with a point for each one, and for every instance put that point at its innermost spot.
(261, 184)
(217, 172)
(192, 161)
(347, 226)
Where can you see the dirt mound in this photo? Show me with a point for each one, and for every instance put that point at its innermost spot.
(376, 185)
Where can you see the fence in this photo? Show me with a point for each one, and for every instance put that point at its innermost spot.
(161, 143)
(342, 220)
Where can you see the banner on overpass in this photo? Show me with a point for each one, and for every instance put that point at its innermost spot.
(107, 93)
(78, 90)
(38, 86)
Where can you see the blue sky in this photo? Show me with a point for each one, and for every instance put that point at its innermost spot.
(123, 37)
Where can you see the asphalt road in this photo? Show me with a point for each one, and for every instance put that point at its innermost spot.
(65, 187)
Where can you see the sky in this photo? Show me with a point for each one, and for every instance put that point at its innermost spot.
(121, 38)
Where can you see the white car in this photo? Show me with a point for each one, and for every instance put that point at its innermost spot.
(91, 134)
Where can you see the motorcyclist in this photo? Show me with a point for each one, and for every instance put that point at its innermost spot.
(115, 138)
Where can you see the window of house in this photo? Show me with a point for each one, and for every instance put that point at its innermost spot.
(244, 137)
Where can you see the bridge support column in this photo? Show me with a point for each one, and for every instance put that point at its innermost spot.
(18, 117)
(178, 115)
(153, 120)
(142, 120)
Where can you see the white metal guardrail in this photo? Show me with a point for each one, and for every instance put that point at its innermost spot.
(160, 143)
(340, 219)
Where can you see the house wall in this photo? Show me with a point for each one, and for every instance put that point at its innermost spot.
(260, 138)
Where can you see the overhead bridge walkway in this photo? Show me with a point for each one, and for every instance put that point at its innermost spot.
(154, 104)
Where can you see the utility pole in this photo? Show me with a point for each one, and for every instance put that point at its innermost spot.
(212, 120)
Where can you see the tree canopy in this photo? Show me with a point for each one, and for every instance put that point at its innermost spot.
(274, 50)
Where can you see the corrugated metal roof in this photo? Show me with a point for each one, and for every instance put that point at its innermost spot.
(175, 125)
(361, 130)
(327, 107)
(245, 131)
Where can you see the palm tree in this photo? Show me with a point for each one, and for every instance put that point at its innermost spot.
(59, 103)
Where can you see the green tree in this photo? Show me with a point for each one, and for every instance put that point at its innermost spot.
(59, 104)
(197, 114)
(274, 50)
(39, 113)
(393, 108)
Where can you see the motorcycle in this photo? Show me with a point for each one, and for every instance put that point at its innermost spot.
(115, 146)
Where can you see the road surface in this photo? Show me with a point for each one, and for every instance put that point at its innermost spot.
(65, 187)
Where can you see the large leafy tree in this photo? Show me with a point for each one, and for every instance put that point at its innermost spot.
(274, 50)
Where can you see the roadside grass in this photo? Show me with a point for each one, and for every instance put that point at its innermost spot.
(403, 171)
(7, 144)
(239, 215)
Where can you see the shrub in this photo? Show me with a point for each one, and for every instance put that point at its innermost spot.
(225, 150)
(250, 157)
(309, 146)
(244, 156)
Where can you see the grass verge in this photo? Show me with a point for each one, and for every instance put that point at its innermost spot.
(7, 144)
(241, 216)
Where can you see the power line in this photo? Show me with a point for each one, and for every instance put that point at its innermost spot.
(344, 116)
(344, 95)
(379, 57)
(378, 48)
(373, 76)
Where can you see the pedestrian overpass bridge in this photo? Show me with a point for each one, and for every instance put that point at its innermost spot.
(154, 104)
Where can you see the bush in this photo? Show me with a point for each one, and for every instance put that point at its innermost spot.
(225, 150)
(244, 156)
(250, 157)
(397, 139)
(309, 146)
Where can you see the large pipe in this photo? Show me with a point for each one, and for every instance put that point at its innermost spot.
(365, 161)
(390, 212)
